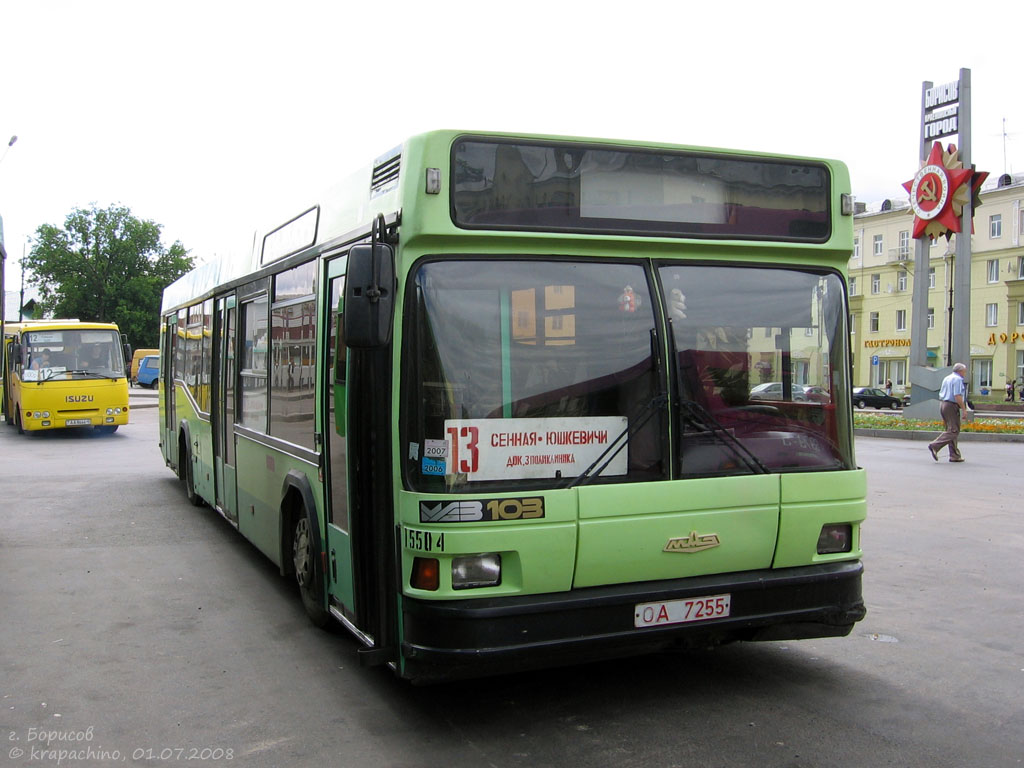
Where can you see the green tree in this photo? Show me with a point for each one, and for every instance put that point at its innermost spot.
(106, 266)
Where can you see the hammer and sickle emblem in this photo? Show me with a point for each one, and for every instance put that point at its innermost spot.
(927, 191)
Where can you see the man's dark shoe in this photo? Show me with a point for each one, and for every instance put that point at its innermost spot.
(934, 452)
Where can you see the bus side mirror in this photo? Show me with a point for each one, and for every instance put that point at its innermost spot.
(369, 296)
(14, 353)
(128, 354)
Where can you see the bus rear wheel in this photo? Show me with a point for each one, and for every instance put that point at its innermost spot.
(17, 421)
(185, 474)
(308, 571)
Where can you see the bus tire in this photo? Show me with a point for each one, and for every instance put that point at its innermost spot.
(185, 474)
(106, 429)
(307, 566)
(17, 421)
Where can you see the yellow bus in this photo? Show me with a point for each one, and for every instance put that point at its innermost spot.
(64, 373)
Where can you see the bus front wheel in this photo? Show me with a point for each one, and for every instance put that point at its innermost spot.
(308, 571)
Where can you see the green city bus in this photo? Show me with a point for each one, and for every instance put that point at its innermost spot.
(502, 401)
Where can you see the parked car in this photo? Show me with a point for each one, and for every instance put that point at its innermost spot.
(876, 398)
(137, 356)
(816, 394)
(149, 371)
(772, 390)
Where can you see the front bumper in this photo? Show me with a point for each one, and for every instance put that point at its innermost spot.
(469, 638)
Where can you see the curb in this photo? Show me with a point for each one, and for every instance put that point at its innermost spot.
(971, 437)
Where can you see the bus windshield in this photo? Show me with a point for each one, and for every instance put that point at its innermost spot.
(531, 370)
(760, 369)
(538, 372)
(77, 353)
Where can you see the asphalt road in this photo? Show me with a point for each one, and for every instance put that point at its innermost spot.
(148, 631)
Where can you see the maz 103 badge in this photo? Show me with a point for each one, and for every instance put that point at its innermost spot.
(481, 510)
(519, 449)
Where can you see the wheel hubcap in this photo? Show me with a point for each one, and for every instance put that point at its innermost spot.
(301, 553)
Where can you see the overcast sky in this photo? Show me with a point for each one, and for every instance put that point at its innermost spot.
(208, 117)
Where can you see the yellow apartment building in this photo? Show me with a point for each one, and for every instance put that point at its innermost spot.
(881, 290)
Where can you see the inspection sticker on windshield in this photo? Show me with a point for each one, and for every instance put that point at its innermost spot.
(512, 449)
(682, 611)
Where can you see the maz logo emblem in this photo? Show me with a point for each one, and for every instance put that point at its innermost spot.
(695, 542)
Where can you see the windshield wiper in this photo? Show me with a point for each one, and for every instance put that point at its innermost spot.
(620, 441)
(623, 439)
(83, 372)
(699, 416)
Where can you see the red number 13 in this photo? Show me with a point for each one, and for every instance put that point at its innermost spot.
(472, 434)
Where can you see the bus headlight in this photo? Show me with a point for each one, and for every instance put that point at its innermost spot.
(471, 571)
(46, 414)
(834, 538)
(36, 415)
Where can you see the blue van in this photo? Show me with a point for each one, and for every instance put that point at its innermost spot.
(149, 371)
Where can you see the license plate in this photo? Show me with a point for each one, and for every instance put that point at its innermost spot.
(681, 611)
(78, 422)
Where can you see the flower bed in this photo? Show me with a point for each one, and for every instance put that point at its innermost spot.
(897, 422)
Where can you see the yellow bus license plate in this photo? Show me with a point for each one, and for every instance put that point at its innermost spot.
(681, 611)
(78, 422)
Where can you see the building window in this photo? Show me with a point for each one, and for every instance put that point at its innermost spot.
(1020, 269)
(993, 270)
(905, 244)
(1020, 366)
(853, 286)
(856, 247)
(931, 317)
(878, 245)
(983, 373)
(853, 322)
(901, 280)
(931, 277)
(995, 225)
(991, 315)
(898, 372)
(901, 319)
(876, 283)
(873, 322)
(1020, 313)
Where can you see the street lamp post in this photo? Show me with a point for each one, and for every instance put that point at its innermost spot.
(3, 260)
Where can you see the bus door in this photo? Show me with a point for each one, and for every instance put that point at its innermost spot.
(168, 364)
(224, 412)
(341, 576)
(5, 379)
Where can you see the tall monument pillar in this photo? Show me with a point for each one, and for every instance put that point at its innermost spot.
(941, 198)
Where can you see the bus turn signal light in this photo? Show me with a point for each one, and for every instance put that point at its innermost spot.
(835, 538)
(426, 573)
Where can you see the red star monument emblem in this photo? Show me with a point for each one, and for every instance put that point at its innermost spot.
(936, 196)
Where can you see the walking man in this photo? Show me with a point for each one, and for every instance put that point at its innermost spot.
(952, 403)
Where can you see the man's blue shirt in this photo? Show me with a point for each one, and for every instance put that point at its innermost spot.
(952, 386)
